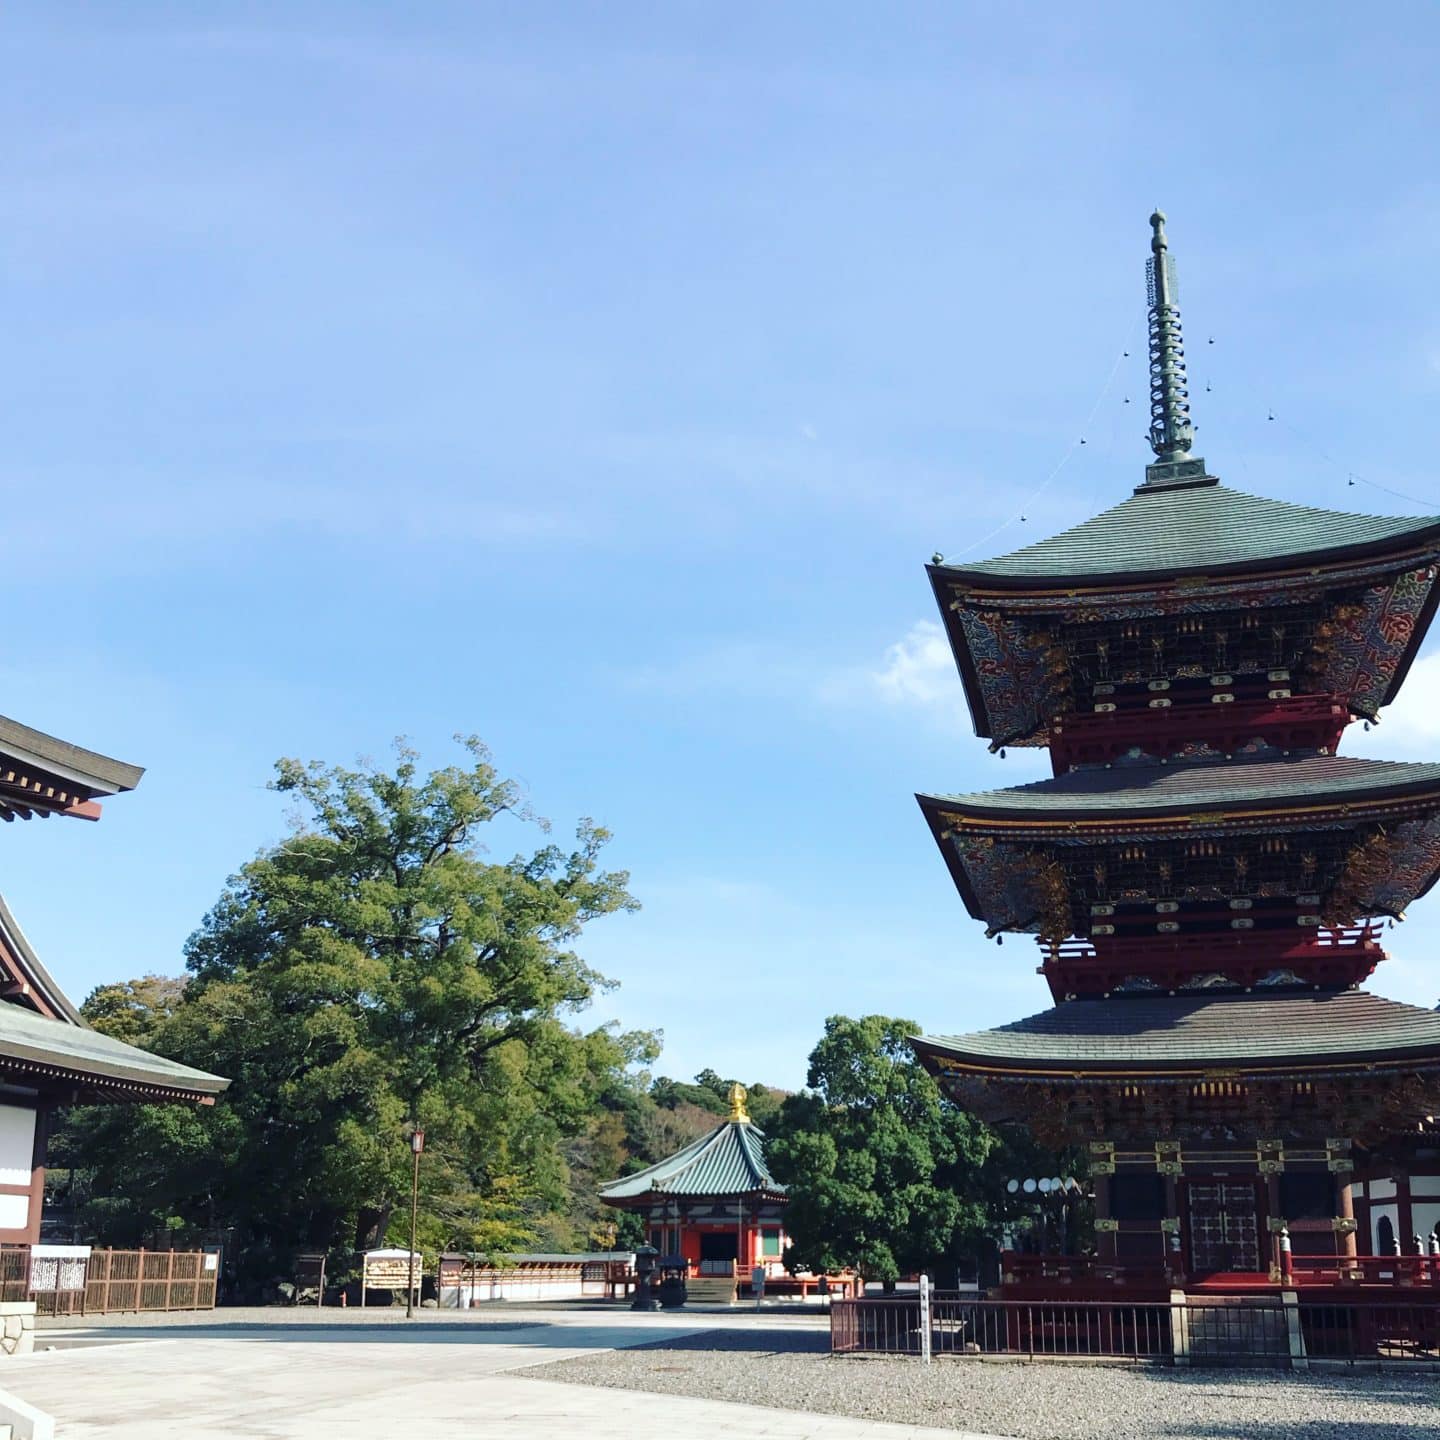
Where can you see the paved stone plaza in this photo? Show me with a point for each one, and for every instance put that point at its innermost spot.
(307, 1375)
(541, 1372)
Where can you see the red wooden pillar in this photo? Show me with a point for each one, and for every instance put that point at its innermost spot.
(1346, 1245)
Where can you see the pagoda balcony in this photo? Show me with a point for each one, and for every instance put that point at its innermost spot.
(1393, 1272)
(1053, 1273)
(1089, 1275)
(1324, 957)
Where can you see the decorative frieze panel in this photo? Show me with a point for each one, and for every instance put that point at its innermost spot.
(1037, 657)
(1211, 1119)
(1057, 883)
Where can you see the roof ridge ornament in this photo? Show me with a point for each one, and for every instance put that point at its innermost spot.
(1172, 432)
(739, 1110)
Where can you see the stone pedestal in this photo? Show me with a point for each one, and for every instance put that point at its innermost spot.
(17, 1327)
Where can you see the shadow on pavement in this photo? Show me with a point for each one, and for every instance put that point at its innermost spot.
(753, 1341)
(539, 1334)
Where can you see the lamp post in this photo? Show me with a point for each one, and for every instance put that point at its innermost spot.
(417, 1147)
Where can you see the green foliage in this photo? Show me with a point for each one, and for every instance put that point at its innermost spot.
(132, 1010)
(373, 971)
(885, 1175)
(711, 1094)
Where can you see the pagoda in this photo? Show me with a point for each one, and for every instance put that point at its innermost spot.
(1206, 876)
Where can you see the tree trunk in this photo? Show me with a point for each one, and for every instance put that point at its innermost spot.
(371, 1223)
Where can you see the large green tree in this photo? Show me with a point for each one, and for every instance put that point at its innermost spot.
(374, 971)
(885, 1175)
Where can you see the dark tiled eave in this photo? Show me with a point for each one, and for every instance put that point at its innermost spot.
(1184, 1037)
(1305, 783)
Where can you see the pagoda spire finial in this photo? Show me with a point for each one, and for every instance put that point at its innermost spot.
(1171, 431)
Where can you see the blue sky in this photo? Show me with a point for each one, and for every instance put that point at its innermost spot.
(599, 377)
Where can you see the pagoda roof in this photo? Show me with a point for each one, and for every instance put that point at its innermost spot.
(730, 1160)
(1182, 1032)
(1153, 791)
(1205, 528)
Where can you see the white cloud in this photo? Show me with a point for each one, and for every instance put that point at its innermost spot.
(919, 670)
(916, 673)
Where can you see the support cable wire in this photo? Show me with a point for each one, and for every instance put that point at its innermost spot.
(1075, 444)
(1353, 476)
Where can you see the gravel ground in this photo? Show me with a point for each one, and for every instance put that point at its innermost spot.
(1042, 1401)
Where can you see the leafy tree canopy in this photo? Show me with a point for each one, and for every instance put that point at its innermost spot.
(373, 971)
(885, 1175)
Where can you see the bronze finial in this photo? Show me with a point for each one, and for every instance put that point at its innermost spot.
(1171, 431)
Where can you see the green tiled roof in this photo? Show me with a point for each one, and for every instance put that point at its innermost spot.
(1155, 789)
(1203, 528)
(31, 1042)
(1235, 1029)
(730, 1160)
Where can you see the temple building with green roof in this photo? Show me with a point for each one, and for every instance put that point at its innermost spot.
(713, 1203)
(1206, 877)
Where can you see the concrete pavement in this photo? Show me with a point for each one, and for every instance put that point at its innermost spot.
(291, 1378)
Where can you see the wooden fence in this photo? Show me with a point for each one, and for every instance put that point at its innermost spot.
(117, 1280)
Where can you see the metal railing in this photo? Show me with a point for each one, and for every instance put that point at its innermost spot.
(1194, 1331)
(888, 1326)
(1383, 1331)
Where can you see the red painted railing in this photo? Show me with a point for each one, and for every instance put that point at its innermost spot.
(1390, 1271)
(1306, 1271)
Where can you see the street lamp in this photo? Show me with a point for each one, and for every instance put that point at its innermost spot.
(417, 1147)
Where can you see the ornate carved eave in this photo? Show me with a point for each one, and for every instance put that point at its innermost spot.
(1367, 1104)
(1029, 659)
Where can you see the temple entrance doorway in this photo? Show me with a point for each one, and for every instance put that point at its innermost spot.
(719, 1252)
(1223, 1225)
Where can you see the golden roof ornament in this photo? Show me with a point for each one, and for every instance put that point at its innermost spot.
(738, 1112)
